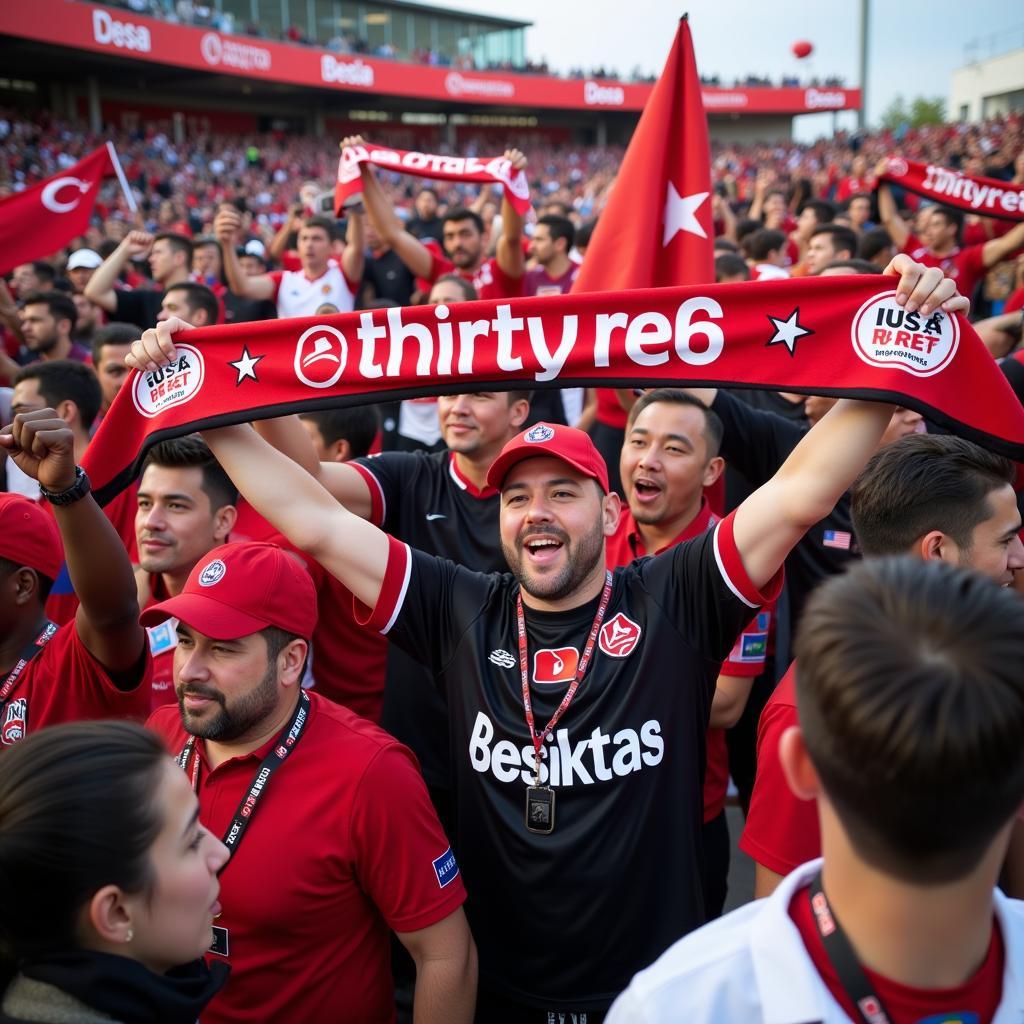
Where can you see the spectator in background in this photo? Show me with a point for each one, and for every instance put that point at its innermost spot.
(192, 302)
(47, 322)
(876, 247)
(82, 264)
(110, 345)
(766, 253)
(827, 243)
(730, 267)
(425, 222)
(70, 388)
(37, 276)
(170, 259)
(385, 276)
(550, 245)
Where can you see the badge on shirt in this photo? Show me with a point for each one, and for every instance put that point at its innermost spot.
(445, 868)
(15, 721)
(163, 637)
(619, 636)
(220, 941)
(555, 665)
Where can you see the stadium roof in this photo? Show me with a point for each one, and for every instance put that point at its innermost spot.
(491, 19)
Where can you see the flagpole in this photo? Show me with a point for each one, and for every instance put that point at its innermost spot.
(129, 198)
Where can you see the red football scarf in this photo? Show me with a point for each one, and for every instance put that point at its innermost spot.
(832, 336)
(429, 165)
(985, 196)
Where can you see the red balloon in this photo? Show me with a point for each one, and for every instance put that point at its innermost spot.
(802, 49)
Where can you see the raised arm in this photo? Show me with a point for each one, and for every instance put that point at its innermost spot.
(826, 462)
(411, 251)
(509, 250)
(888, 214)
(286, 434)
(225, 227)
(42, 445)
(353, 258)
(998, 249)
(348, 547)
(100, 287)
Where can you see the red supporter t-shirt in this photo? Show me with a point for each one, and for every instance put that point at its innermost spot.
(538, 281)
(342, 846)
(782, 830)
(609, 410)
(65, 683)
(745, 659)
(965, 266)
(489, 280)
(349, 661)
(1015, 301)
(974, 1002)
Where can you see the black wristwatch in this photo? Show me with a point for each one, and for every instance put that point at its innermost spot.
(78, 490)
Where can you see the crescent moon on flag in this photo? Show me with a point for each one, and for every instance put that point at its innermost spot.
(49, 194)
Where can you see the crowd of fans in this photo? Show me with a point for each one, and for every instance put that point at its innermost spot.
(307, 619)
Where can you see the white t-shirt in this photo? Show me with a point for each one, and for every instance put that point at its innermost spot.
(297, 295)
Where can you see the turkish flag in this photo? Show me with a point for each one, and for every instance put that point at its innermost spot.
(656, 229)
(45, 217)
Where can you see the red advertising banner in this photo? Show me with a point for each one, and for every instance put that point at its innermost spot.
(122, 33)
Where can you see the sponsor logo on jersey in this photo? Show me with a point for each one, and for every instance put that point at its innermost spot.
(445, 868)
(556, 665)
(619, 636)
(501, 658)
(212, 573)
(15, 721)
(885, 334)
(539, 434)
(431, 516)
(598, 758)
(320, 356)
(154, 392)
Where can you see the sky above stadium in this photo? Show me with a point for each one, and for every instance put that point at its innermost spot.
(914, 45)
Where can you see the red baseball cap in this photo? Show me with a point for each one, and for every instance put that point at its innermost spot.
(542, 440)
(241, 588)
(29, 535)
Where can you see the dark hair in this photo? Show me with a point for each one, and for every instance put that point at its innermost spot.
(921, 483)
(559, 227)
(822, 209)
(759, 243)
(858, 266)
(468, 291)
(584, 233)
(563, 207)
(43, 270)
(77, 812)
(459, 213)
(746, 227)
(729, 264)
(278, 639)
(357, 424)
(198, 296)
(114, 333)
(325, 223)
(64, 380)
(204, 242)
(713, 429)
(872, 243)
(190, 452)
(60, 305)
(856, 195)
(843, 238)
(9, 566)
(724, 245)
(911, 704)
(953, 217)
(178, 243)
(427, 188)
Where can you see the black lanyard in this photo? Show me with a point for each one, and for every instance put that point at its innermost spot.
(31, 650)
(286, 741)
(844, 960)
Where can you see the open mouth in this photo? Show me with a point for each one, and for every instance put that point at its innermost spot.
(646, 490)
(542, 550)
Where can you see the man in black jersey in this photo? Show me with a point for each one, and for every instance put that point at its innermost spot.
(439, 503)
(578, 807)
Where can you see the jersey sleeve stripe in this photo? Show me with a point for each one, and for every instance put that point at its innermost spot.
(378, 503)
(730, 565)
(393, 589)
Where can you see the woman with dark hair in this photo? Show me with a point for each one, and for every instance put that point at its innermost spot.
(108, 883)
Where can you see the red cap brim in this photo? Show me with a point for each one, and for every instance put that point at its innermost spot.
(205, 615)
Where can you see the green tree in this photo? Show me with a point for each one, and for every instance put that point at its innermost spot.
(923, 110)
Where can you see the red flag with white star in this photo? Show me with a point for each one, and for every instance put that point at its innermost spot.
(656, 229)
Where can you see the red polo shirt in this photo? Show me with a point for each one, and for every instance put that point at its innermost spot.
(746, 658)
(343, 845)
(65, 683)
(782, 830)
